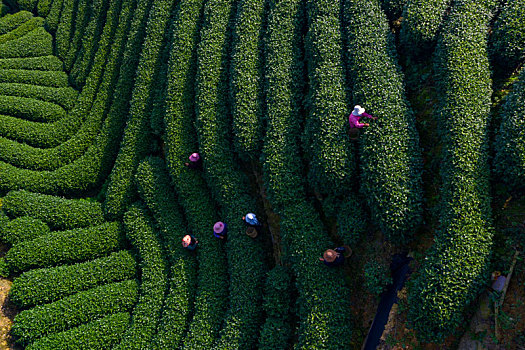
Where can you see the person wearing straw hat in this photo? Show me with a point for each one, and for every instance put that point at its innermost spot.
(333, 257)
(356, 115)
(195, 161)
(220, 230)
(251, 220)
(189, 242)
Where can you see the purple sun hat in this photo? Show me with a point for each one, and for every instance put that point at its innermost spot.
(194, 157)
(218, 227)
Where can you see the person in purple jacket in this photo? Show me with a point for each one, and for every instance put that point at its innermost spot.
(219, 230)
(356, 115)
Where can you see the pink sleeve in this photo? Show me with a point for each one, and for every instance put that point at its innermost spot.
(359, 125)
(367, 115)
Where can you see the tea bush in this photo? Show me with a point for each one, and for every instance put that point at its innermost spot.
(153, 281)
(191, 189)
(42, 286)
(444, 286)
(509, 161)
(38, 42)
(228, 184)
(246, 78)
(23, 228)
(63, 96)
(75, 310)
(508, 36)
(63, 247)
(98, 334)
(390, 175)
(51, 63)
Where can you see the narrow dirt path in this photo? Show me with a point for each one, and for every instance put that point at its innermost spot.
(6, 316)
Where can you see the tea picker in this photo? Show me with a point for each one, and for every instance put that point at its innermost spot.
(195, 161)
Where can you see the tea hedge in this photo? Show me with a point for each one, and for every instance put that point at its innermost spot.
(391, 161)
(323, 301)
(146, 313)
(246, 78)
(326, 144)
(27, 5)
(75, 310)
(64, 96)
(154, 187)
(38, 42)
(59, 213)
(92, 168)
(82, 15)
(22, 30)
(137, 136)
(23, 228)
(65, 26)
(93, 32)
(43, 7)
(509, 161)
(444, 286)
(228, 184)
(33, 77)
(47, 285)
(30, 109)
(421, 22)
(508, 36)
(10, 22)
(26, 156)
(63, 247)
(191, 189)
(277, 329)
(99, 334)
(54, 15)
(51, 63)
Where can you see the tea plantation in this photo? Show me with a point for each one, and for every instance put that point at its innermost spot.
(102, 102)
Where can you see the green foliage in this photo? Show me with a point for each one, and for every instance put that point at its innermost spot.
(99, 334)
(27, 5)
(64, 96)
(64, 247)
(34, 77)
(23, 228)
(75, 310)
(54, 15)
(508, 37)
(323, 297)
(146, 313)
(455, 269)
(92, 168)
(22, 30)
(38, 42)
(277, 328)
(377, 277)
(43, 7)
(351, 221)
(228, 184)
(10, 22)
(25, 156)
(509, 161)
(191, 189)
(63, 33)
(59, 213)
(137, 135)
(391, 161)
(154, 187)
(246, 78)
(42, 286)
(30, 109)
(326, 143)
(421, 22)
(50, 63)
(104, 13)
(80, 22)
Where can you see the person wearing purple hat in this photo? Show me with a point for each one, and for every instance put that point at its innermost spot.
(220, 230)
(195, 161)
